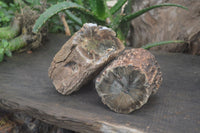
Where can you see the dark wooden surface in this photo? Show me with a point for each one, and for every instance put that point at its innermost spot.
(25, 86)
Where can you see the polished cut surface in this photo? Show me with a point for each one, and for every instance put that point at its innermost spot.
(128, 81)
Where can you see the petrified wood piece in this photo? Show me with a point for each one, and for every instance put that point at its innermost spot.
(83, 56)
(127, 83)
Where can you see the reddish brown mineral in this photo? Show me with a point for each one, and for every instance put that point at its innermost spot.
(127, 83)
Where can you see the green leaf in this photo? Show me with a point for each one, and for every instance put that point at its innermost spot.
(101, 8)
(117, 6)
(1, 55)
(148, 46)
(34, 2)
(79, 2)
(93, 5)
(121, 36)
(2, 4)
(125, 27)
(5, 43)
(74, 18)
(52, 11)
(116, 21)
(60, 7)
(138, 13)
(8, 53)
(5, 28)
(1, 50)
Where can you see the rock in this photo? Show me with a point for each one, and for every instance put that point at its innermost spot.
(167, 23)
(127, 83)
(83, 56)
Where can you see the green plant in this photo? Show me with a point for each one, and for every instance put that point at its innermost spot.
(8, 31)
(15, 35)
(16, 20)
(7, 12)
(7, 47)
(4, 49)
(78, 12)
(98, 12)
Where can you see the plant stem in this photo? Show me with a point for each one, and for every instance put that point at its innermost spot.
(67, 30)
(19, 42)
(121, 36)
(11, 31)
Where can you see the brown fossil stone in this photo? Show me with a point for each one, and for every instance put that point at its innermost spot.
(83, 56)
(127, 83)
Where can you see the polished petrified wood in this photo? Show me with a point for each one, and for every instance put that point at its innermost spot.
(127, 83)
(83, 56)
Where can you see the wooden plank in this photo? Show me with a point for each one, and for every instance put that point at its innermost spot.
(25, 86)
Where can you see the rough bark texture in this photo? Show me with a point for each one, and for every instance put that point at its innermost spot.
(82, 57)
(127, 83)
(167, 23)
